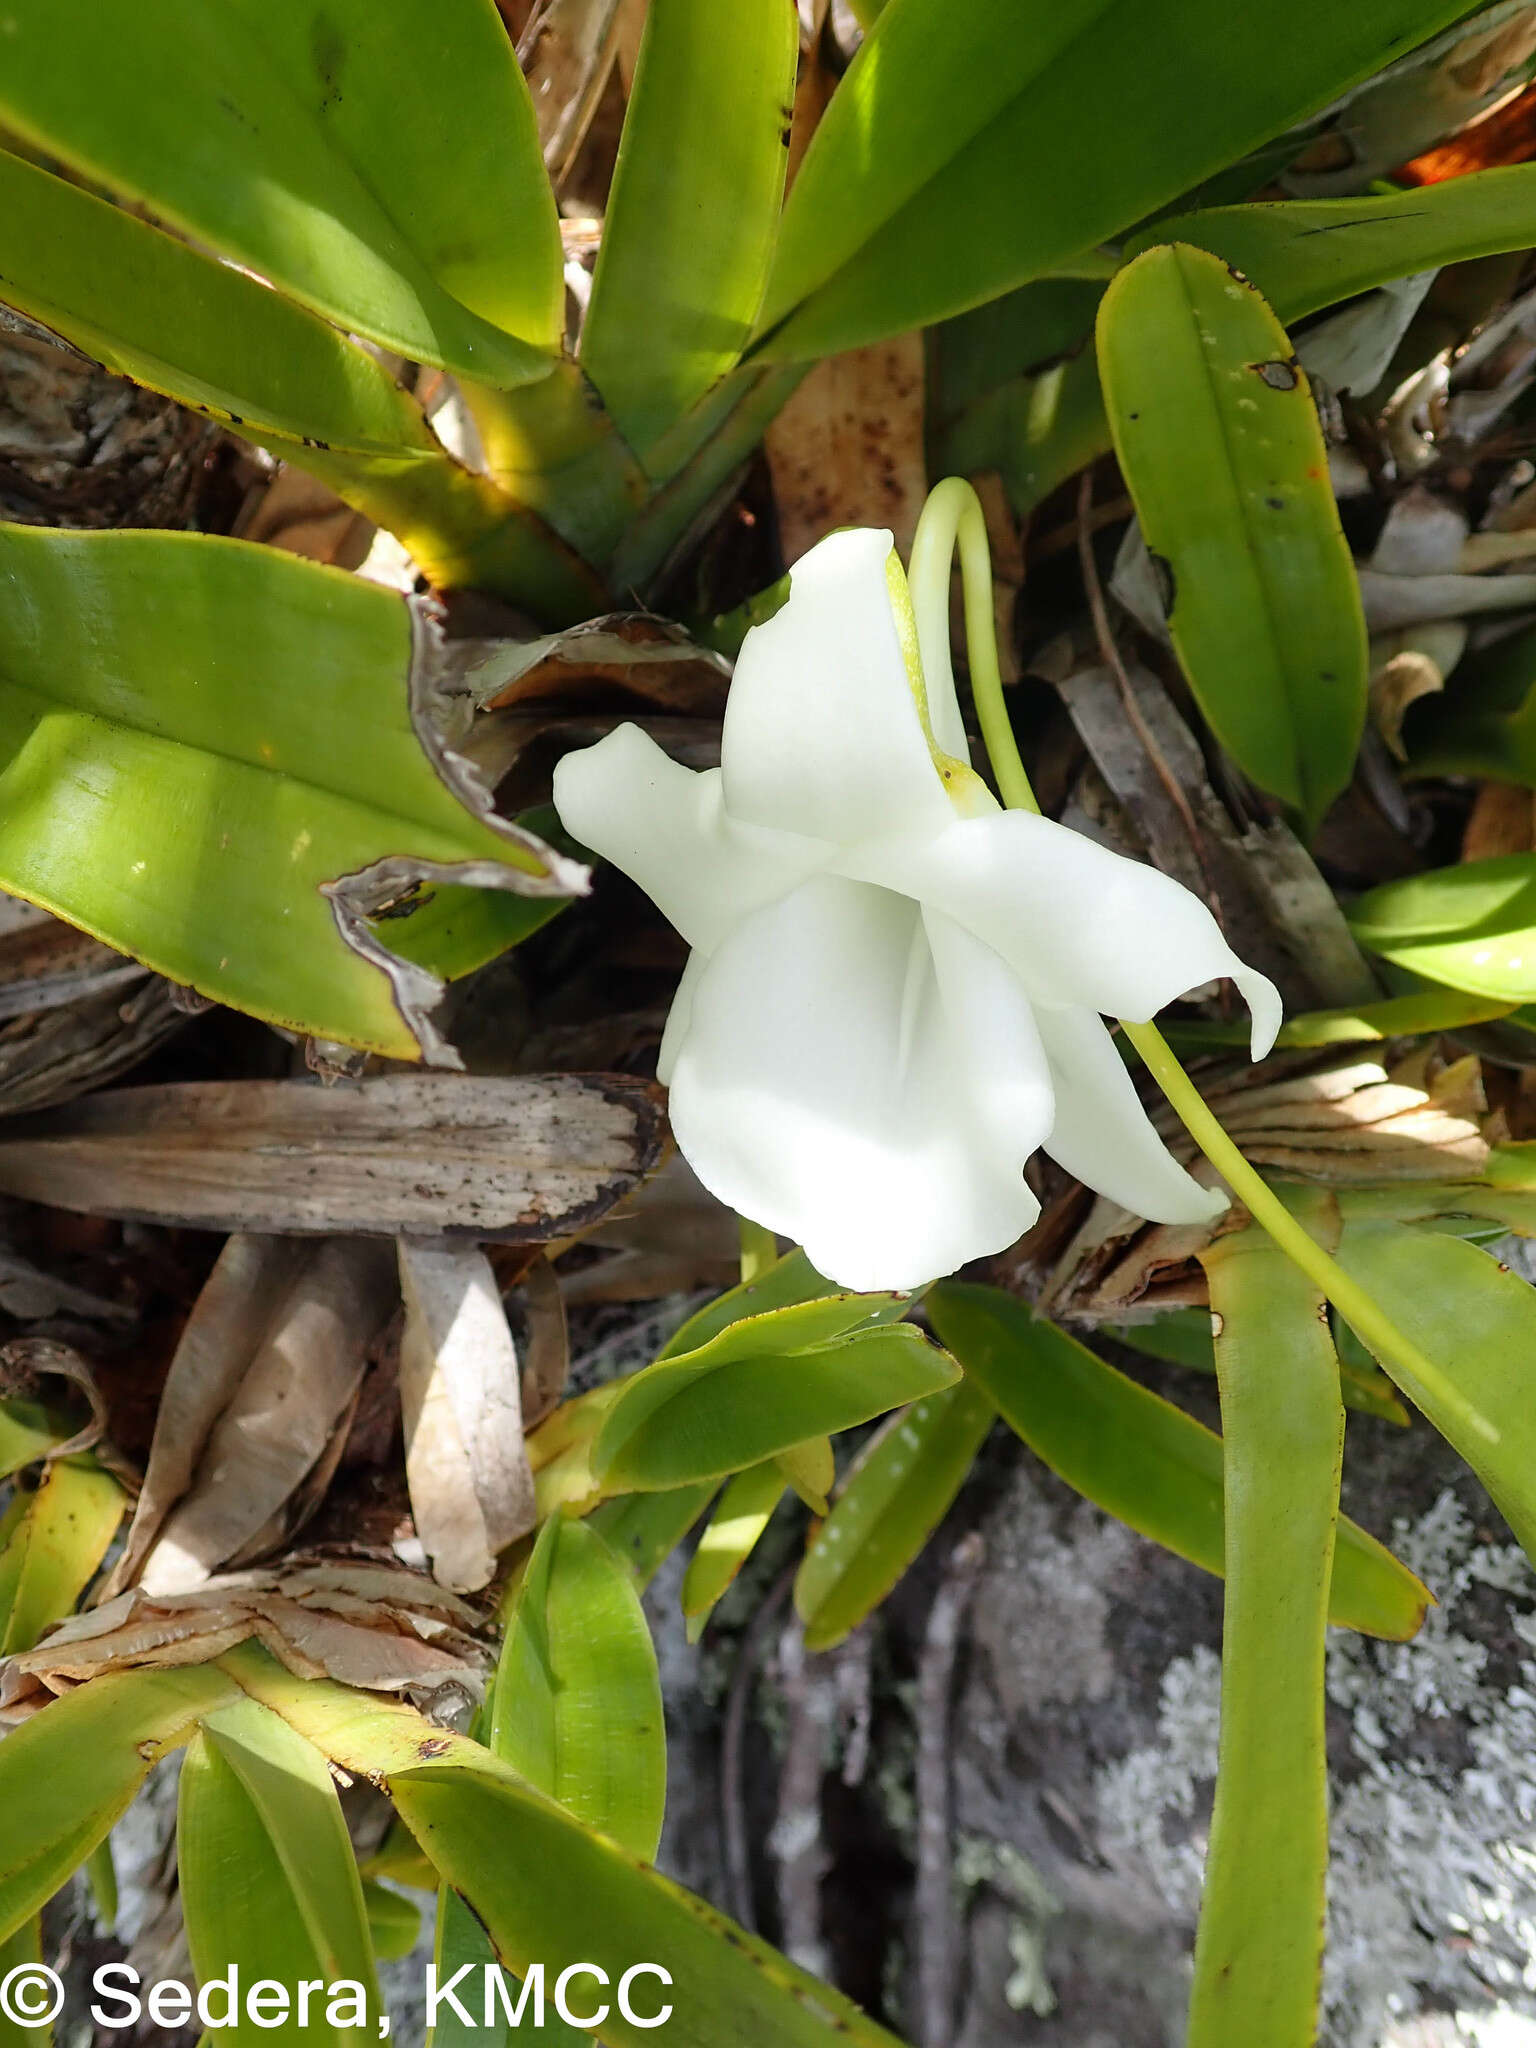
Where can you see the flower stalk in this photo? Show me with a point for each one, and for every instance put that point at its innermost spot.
(952, 518)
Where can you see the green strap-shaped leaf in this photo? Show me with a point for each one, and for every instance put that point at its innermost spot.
(263, 1890)
(550, 1891)
(487, 1996)
(935, 180)
(23, 1950)
(786, 1284)
(199, 738)
(645, 1528)
(1410, 1016)
(1473, 926)
(72, 1518)
(576, 1707)
(1183, 1337)
(1221, 447)
(1310, 253)
(897, 1492)
(167, 316)
(728, 1406)
(811, 1469)
(1476, 1321)
(71, 1770)
(1136, 1455)
(394, 1921)
(388, 178)
(690, 223)
(1258, 1950)
(742, 1513)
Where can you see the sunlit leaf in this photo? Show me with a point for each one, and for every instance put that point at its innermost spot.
(310, 143)
(72, 1518)
(896, 1493)
(1473, 926)
(1137, 1456)
(691, 217)
(763, 1385)
(71, 1770)
(268, 1884)
(550, 1891)
(22, 1951)
(742, 1513)
(576, 1706)
(1221, 447)
(198, 738)
(1476, 1321)
(935, 179)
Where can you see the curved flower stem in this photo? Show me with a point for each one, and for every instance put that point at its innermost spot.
(953, 516)
(1358, 1308)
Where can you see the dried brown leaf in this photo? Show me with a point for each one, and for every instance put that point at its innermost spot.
(525, 1159)
(847, 449)
(461, 1396)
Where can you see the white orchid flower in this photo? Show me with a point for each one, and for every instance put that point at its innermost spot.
(895, 989)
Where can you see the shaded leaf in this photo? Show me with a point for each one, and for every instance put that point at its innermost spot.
(1137, 1456)
(1258, 1950)
(1216, 433)
(645, 1528)
(897, 1491)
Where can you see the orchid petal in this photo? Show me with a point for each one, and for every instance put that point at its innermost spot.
(822, 730)
(865, 1082)
(666, 827)
(1082, 927)
(1103, 1135)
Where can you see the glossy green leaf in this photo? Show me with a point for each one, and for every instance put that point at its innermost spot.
(1135, 1455)
(197, 738)
(71, 1770)
(898, 1490)
(759, 1388)
(1258, 1949)
(690, 222)
(935, 180)
(1307, 254)
(394, 1921)
(1408, 1016)
(552, 1892)
(27, 1433)
(742, 1513)
(462, 1943)
(589, 1902)
(787, 1283)
(389, 179)
(1475, 1321)
(72, 1519)
(1473, 926)
(269, 1888)
(1183, 1337)
(150, 307)
(1221, 447)
(24, 1948)
(645, 1528)
(576, 1706)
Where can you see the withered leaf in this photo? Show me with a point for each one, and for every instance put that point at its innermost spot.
(313, 1310)
(382, 1627)
(461, 1397)
(525, 1159)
